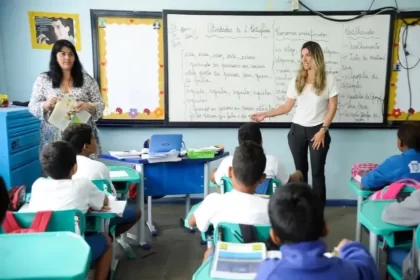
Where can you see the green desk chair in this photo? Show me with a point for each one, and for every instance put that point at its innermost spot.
(59, 221)
(268, 187)
(122, 183)
(230, 233)
(47, 256)
(396, 272)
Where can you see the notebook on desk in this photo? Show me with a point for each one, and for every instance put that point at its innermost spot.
(163, 143)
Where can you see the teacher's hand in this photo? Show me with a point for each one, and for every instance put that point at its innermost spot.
(318, 140)
(258, 117)
(83, 106)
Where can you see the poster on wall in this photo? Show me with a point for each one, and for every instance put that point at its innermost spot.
(48, 28)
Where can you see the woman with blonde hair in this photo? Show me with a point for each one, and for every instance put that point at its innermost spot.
(316, 94)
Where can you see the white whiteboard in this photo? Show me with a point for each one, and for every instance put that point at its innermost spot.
(223, 68)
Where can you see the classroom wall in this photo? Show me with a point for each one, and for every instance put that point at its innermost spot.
(2, 65)
(23, 64)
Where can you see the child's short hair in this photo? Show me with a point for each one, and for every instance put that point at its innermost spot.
(409, 134)
(4, 200)
(57, 159)
(296, 213)
(249, 131)
(248, 163)
(78, 135)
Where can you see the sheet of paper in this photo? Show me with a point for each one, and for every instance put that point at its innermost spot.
(64, 114)
(132, 67)
(118, 174)
(117, 206)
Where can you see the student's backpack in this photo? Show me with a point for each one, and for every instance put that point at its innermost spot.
(360, 169)
(39, 224)
(395, 189)
(17, 197)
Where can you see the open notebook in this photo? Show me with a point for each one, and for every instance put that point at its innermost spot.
(240, 260)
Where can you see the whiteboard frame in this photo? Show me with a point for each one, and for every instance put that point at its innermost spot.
(94, 16)
(168, 123)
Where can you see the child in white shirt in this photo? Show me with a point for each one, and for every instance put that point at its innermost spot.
(82, 138)
(273, 169)
(60, 192)
(241, 205)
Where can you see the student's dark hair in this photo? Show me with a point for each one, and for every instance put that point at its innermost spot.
(249, 131)
(56, 73)
(296, 213)
(409, 134)
(4, 200)
(78, 135)
(57, 159)
(248, 163)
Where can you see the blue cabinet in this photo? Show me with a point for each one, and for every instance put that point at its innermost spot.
(19, 147)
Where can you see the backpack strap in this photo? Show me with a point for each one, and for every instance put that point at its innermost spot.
(249, 233)
(392, 191)
(9, 224)
(41, 221)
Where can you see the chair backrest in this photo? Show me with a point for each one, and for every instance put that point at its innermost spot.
(232, 233)
(103, 185)
(268, 187)
(60, 220)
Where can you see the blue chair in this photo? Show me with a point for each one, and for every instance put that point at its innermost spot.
(268, 187)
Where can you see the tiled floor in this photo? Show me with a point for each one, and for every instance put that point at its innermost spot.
(176, 253)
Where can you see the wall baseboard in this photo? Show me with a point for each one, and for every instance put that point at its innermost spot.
(330, 202)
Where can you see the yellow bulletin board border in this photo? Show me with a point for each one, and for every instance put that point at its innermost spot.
(396, 114)
(99, 20)
(42, 33)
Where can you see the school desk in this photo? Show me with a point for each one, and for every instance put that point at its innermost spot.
(47, 255)
(184, 177)
(361, 195)
(370, 216)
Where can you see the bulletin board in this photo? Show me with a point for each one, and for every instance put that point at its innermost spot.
(128, 65)
(404, 97)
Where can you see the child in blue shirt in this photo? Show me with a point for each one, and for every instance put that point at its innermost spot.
(297, 220)
(403, 166)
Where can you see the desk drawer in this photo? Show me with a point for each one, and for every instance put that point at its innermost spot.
(22, 123)
(23, 140)
(26, 174)
(22, 158)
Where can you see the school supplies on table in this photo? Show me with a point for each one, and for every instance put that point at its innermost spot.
(170, 156)
(164, 143)
(64, 114)
(237, 261)
(360, 169)
(206, 152)
(128, 154)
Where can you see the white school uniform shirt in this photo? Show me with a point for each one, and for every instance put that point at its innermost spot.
(232, 207)
(92, 169)
(66, 194)
(273, 169)
(312, 109)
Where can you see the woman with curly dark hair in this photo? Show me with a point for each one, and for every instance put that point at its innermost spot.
(65, 77)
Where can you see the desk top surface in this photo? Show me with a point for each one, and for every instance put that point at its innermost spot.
(355, 187)
(203, 273)
(48, 255)
(370, 215)
(121, 173)
(144, 161)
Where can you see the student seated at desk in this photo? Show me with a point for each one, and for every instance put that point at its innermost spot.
(397, 167)
(4, 200)
(82, 138)
(60, 192)
(273, 169)
(297, 220)
(240, 206)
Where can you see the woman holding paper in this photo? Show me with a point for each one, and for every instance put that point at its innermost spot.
(64, 78)
(316, 94)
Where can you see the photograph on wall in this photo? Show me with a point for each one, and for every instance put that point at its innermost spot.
(48, 28)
